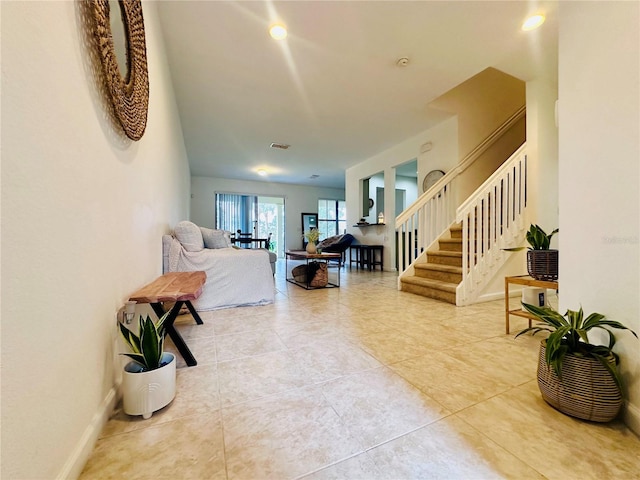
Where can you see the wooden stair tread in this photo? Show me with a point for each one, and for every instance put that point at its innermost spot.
(438, 267)
(444, 253)
(427, 282)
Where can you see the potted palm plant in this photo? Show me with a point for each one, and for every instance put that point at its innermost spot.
(542, 262)
(149, 380)
(575, 376)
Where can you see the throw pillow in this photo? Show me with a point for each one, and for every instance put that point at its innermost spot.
(215, 238)
(189, 235)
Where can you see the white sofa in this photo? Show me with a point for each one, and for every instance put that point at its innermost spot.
(235, 277)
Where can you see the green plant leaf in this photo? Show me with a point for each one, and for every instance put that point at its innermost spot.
(150, 345)
(136, 357)
(546, 315)
(535, 330)
(610, 368)
(130, 338)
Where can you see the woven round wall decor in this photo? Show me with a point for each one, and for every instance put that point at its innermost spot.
(130, 95)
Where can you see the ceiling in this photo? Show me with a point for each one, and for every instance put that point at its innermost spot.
(332, 89)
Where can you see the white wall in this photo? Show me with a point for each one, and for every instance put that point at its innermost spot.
(444, 150)
(599, 173)
(298, 199)
(83, 212)
(409, 186)
(443, 154)
(542, 153)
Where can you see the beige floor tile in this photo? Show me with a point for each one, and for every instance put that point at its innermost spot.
(391, 346)
(313, 403)
(505, 359)
(360, 467)
(299, 334)
(196, 394)
(251, 378)
(247, 344)
(189, 448)
(448, 449)
(284, 436)
(379, 405)
(325, 360)
(557, 446)
(188, 328)
(228, 325)
(203, 350)
(451, 382)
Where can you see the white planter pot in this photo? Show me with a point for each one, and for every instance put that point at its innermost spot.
(146, 392)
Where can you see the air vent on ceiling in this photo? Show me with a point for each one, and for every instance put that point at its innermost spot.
(314, 176)
(281, 146)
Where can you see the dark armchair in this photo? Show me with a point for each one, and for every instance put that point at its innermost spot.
(337, 244)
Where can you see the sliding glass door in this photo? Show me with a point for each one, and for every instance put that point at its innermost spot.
(258, 215)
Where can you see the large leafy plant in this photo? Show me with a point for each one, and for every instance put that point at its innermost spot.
(537, 238)
(568, 336)
(148, 347)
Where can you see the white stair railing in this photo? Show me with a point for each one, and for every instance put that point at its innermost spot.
(492, 219)
(419, 225)
(433, 212)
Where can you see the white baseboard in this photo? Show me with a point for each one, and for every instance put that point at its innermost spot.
(75, 463)
(631, 417)
(490, 297)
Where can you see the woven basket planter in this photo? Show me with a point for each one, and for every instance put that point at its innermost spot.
(543, 264)
(587, 390)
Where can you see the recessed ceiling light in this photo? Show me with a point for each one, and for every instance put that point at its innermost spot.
(533, 22)
(262, 172)
(278, 31)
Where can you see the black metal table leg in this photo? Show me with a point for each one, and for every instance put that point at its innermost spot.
(193, 312)
(173, 333)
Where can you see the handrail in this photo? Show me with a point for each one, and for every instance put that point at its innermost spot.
(466, 162)
(491, 218)
(431, 214)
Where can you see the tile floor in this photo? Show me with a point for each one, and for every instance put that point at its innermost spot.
(360, 382)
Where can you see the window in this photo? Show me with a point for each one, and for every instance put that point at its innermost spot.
(332, 217)
(260, 216)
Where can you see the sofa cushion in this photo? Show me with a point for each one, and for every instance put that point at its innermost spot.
(215, 238)
(189, 236)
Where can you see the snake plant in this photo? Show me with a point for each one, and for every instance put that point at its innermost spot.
(147, 348)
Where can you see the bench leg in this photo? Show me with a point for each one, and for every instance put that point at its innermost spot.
(193, 312)
(173, 333)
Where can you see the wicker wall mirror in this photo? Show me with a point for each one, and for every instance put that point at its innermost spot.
(119, 36)
(127, 79)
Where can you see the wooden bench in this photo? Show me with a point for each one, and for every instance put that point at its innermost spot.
(178, 287)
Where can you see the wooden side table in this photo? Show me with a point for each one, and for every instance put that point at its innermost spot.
(529, 282)
(179, 287)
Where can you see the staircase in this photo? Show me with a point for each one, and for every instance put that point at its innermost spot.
(440, 276)
(466, 254)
